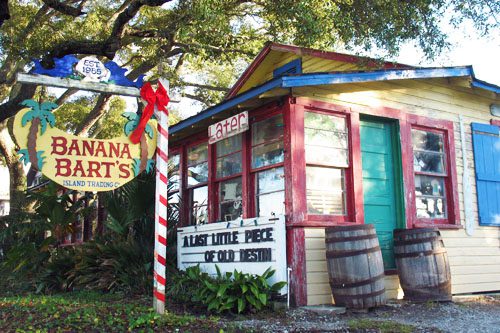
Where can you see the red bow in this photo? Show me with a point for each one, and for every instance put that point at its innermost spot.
(159, 98)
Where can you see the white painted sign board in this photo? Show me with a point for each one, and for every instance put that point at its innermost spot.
(228, 127)
(248, 245)
(93, 69)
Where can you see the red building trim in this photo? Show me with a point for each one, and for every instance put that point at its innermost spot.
(249, 71)
(495, 122)
(370, 62)
(296, 257)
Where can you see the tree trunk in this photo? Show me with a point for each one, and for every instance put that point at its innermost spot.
(144, 152)
(17, 177)
(32, 136)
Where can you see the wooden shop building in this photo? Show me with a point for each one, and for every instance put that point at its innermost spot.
(335, 139)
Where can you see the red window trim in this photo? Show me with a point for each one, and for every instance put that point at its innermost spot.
(453, 210)
(350, 199)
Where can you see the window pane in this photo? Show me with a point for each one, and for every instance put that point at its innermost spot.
(267, 130)
(270, 181)
(198, 205)
(268, 154)
(229, 165)
(324, 122)
(198, 174)
(173, 172)
(271, 203)
(325, 190)
(173, 206)
(429, 141)
(230, 199)
(430, 196)
(327, 156)
(325, 138)
(197, 154)
(428, 162)
(228, 145)
(270, 186)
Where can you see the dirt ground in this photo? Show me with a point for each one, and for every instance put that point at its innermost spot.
(481, 315)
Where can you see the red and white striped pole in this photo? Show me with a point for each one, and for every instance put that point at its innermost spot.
(161, 208)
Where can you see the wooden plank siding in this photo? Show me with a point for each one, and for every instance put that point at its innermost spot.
(474, 260)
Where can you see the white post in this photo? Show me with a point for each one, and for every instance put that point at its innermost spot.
(161, 208)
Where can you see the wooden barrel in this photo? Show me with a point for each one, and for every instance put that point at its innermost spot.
(355, 266)
(422, 263)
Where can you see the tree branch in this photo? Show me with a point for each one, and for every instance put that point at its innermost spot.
(194, 46)
(63, 8)
(64, 97)
(196, 98)
(204, 86)
(113, 43)
(12, 106)
(97, 112)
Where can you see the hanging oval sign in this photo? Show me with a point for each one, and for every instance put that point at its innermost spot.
(92, 69)
(78, 163)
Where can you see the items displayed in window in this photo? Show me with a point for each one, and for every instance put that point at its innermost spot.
(267, 142)
(198, 205)
(229, 156)
(429, 165)
(197, 165)
(270, 192)
(230, 199)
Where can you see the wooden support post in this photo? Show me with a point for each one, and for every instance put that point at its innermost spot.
(161, 209)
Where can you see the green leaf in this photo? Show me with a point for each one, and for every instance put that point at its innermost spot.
(263, 298)
(241, 305)
(254, 291)
(278, 285)
(251, 300)
(222, 290)
(244, 288)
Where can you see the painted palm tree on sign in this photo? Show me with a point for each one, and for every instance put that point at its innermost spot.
(143, 163)
(40, 115)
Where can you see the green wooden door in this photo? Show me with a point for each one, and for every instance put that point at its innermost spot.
(378, 160)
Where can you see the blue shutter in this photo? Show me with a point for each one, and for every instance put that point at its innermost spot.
(486, 144)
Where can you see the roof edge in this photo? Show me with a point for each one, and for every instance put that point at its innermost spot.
(331, 55)
(312, 79)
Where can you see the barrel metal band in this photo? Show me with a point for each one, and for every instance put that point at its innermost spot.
(348, 239)
(350, 297)
(343, 254)
(335, 284)
(417, 241)
(419, 254)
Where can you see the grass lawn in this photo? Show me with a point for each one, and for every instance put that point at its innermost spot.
(93, 312)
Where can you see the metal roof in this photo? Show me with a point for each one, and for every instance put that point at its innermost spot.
(313, 79)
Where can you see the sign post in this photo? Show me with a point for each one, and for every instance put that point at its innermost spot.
(161, 207)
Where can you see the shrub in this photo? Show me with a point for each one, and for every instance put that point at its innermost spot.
(236, 292)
